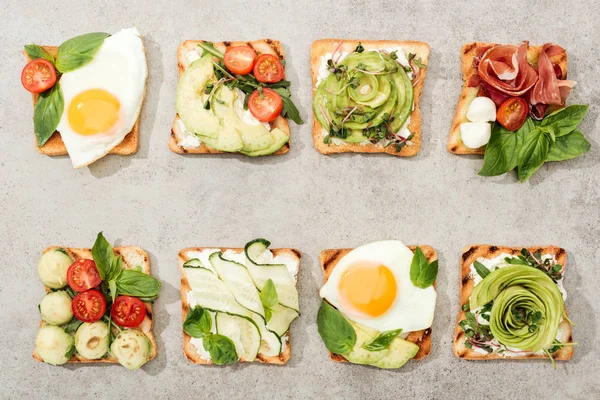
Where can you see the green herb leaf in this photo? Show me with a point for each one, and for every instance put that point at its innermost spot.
(268, 295)
(481, 269)
(138, 284)
(565, 120)
(422, 274)
(112, 286)
(198, 322)
(221, 349)
(34, 52)
(76, 52)
(289, 109)
(70, 352)
(208, 47)
(382, 341)
(533, 154)
(502, 151)
(568, 146)
(47, 113)
(72, 326)
(104, 257)
(359, 48)
(337, 333)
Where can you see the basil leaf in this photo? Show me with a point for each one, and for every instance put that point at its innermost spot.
(568, 146)
(533, 154)
(46, 115)
(34, 52)
(72, 326)
(289, 109)
(104, 257)
(502, 151)
(337, 333)
(481, 269)
(138, 284)
(422, 274)
(566, 119)
(76, 52)
(198, 322)
(382, 341)
(70, 352)
(268, 296)
(112, 286)
(221, 349)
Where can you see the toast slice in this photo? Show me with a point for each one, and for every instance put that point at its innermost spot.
(263, 46)
(132, 257)
(190, 350)
(55, 145)
(467, 54)
(329, 259)
(321, 47)
(469, 255)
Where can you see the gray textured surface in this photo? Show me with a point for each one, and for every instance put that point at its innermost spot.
(163, 202)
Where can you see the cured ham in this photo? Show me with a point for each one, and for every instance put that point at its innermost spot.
(550, 89)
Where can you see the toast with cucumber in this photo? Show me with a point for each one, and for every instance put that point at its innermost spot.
(98, 306)
(366, 95)
(238, 303)
(232, 97)
(512, 304)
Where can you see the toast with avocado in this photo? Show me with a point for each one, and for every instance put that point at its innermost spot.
(366, 95)
(238, 303)
(76, 316)
(369, 342)
(232, 97)
(521, 287)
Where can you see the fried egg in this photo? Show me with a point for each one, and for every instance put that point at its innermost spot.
(103, 98)
(371, 286)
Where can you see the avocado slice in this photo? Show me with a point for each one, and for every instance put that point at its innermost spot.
(399, 352)
(279, 139)
(228, 140)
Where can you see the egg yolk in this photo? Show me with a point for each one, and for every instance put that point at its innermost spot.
(369, 289)
(93, 111)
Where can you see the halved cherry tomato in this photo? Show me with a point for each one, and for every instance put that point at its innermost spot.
(512, 113)
(83, 275)
(268, 69)
(128, 311)
(89, 306)
(38, 75)
(267, 108)
(239, 59)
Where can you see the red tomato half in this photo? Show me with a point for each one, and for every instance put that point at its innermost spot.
(89, 306)
(38, 75)
(267, 108)
(268, 69)
(83, 275)
(128, 311)
(512, 113)
(239, 59)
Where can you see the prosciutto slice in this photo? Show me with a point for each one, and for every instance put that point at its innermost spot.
(505, 69)
(550, 89)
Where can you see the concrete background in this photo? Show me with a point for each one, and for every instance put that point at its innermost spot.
(164, 202)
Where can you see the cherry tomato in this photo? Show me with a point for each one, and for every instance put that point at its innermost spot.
(83, 275)
(512, 113)
(239, 59)
(268, 69)
(38, 75)
(128, 311)
(267, 108)
(89, 306)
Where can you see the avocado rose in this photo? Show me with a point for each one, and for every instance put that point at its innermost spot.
(527, 308)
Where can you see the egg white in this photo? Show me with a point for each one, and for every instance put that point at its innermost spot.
(119, 67)
(413, 307)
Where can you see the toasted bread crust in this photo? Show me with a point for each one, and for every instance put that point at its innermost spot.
(55, 145)
(263, 46)
(190, 351)
(329, 259)
(321, 47)
(455, 144)
(469, 255)
(132, 257)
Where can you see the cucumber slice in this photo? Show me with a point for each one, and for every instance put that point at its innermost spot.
(238, 281)
(212, 293)
(278, 273)
(243, 333)
(281, 319)
(270, 344)
(193, 263)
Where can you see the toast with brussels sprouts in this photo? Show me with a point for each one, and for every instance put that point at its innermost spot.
(331, 257)
(481, 268)
(63, 268)
(194, 132)
(366, 95)
(223, 270)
